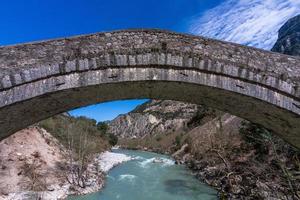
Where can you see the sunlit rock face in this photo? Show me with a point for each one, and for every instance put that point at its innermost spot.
(289, 38)
(153, 117)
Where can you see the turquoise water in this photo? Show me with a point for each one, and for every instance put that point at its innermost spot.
(142, 179)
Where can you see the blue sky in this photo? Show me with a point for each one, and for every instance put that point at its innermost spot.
(29, 20)
(249, 22)
(108, 110)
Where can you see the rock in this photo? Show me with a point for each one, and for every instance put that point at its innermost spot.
(108, 160)
(155, 116)
(157, 160)
(21, 158)
(236, 189)
(36, 154)
(50, 188)
(289, 38)
(262, 186)
(180, 151)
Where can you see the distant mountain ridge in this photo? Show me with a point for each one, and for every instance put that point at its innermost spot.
(153, 117)
(289, 38)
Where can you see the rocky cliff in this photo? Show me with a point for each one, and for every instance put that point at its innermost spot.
(289, 38)
(155, 117)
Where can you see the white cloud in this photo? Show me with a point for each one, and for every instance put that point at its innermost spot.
(249, 22)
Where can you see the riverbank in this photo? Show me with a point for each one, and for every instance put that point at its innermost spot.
(242, 181)
(97, 169)
(241, 162)
(33, 166)
(108, 160)
(151, 176)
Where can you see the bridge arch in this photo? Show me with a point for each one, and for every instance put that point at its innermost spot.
(39, 80)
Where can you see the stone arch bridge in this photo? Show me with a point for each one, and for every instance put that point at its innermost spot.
(39, 80)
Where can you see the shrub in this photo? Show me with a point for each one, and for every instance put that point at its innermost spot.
(158, 138)
(256, 135)
(102, 127)
(35, 179)
(113, 140)
(178, 140)
(62, 127)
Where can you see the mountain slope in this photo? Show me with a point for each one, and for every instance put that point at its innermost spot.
(289, 38)
(157, 117)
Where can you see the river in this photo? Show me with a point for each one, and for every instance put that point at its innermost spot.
(144, 179)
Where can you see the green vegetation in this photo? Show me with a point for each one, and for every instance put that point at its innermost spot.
(103, 128)
(113, 140)
(65, 128)
(203, 115)
(178, 140)
(82, 138)
(158, 138)
(267, 144)
(160, 142)
(256, 135)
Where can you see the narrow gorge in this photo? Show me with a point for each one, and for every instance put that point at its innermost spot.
(162, 150)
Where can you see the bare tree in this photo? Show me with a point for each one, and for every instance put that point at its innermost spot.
(35, 179)
(78, 156)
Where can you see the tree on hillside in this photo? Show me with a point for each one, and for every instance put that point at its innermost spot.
(83, 139)
(103, 127)
(77, 156)
(267, 144)
(113, 140)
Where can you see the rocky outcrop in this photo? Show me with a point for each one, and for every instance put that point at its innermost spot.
(154, 117)
(289, 38)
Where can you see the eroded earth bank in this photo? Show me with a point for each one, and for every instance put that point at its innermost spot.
(58, 157)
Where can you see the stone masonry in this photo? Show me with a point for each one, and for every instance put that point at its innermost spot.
(39, 80)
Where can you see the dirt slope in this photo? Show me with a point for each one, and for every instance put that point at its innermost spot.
(28, 160)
